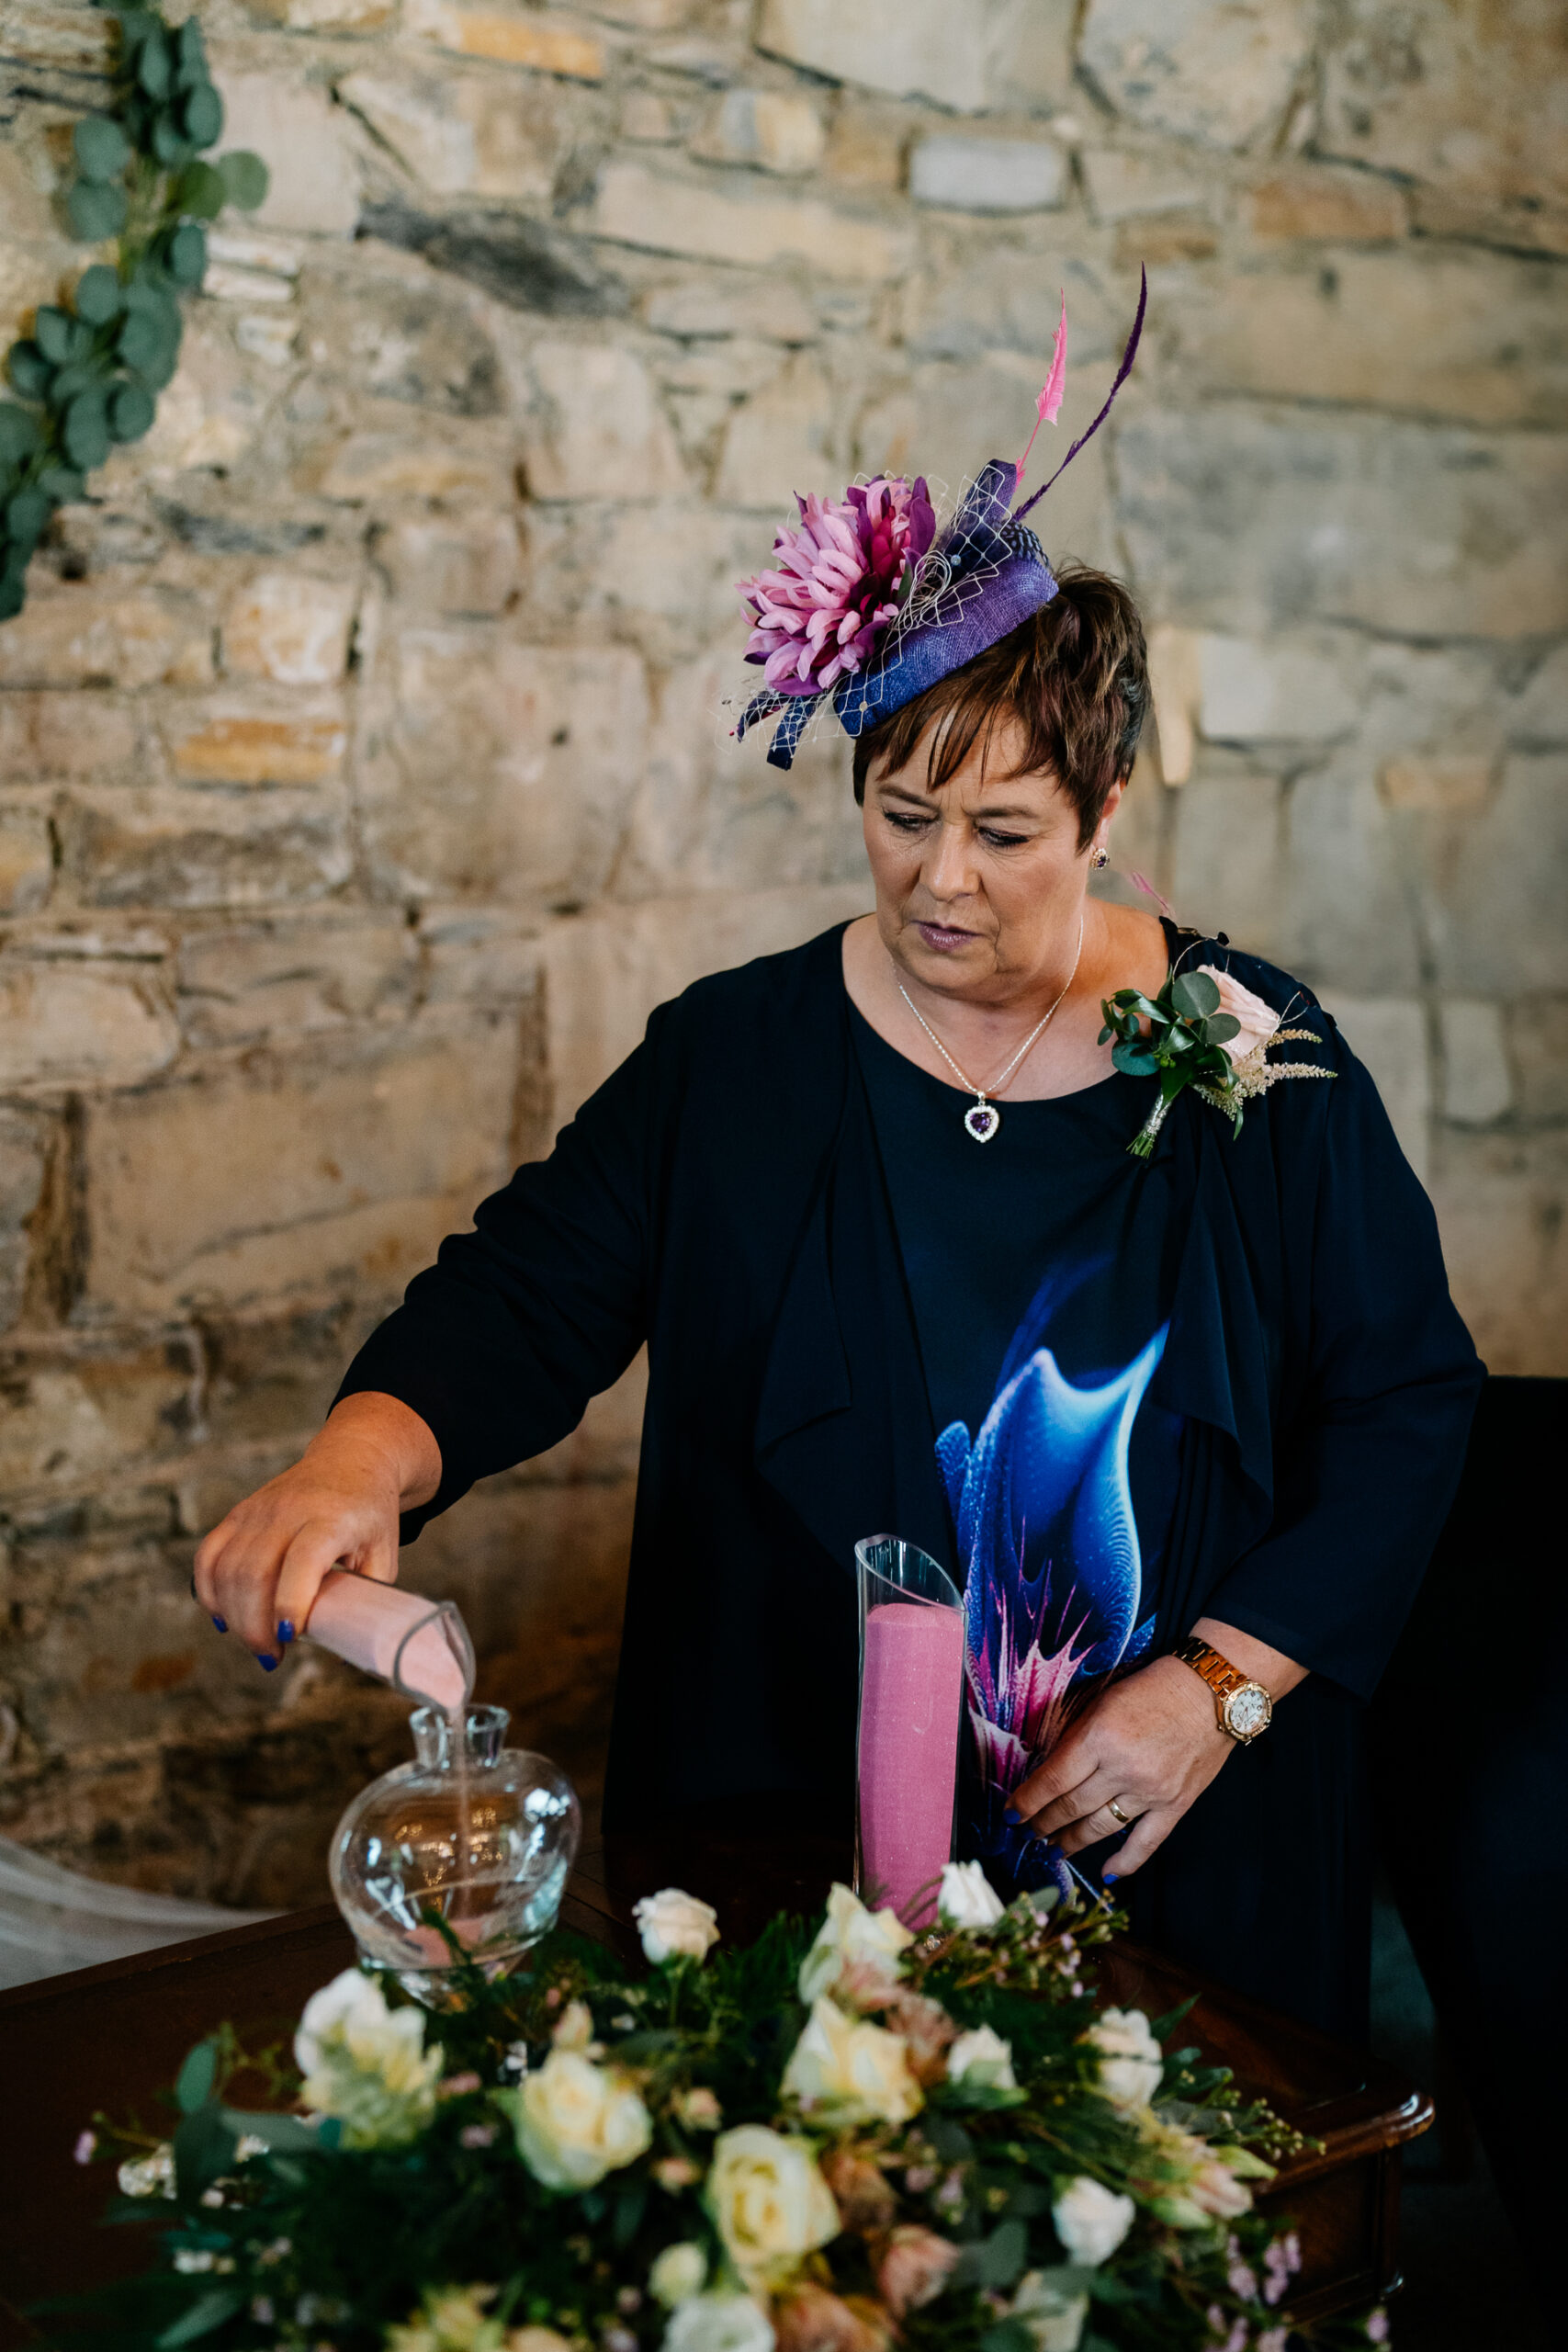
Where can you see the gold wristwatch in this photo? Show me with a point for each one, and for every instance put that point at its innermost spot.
(1243, 1708)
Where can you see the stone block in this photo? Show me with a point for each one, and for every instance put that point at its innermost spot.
(645, 16)
(303, 139)
(1218, 72)
(63, 1025)
(1176, 689)
(77, 634)
(989, 293)
(1476, 1088)
(987, 175)
(326, 16)
(865, 147)
(340, 1163)
(176, 846)
(662, 577)
(1541, 714)
(1478, 338)
(1251, 693)
(1493, 888)
(451, 563)
(1538, 1048)
(1232, 515)
(967, 54)
(549, 44)
(269, 1377)
(1346, 917)
(478, 955)
(364, 466)
(777, 443)
(24, 1159)
(289, 626)
(1307, 204)
(63, 734)
(1229, 856)
(597, 429)
(1438, 784)
(26, 859)
(1389, 1035)
(719, 305)
(775, 131)
(290, 976)
(463, 134)
(403, 335)
(1174, 237)
(508, 766)
(257, 738)
(636, 206)
(1516, 225)
(70, 1417)
(1124, 186)
(1436, 94)
(1502, 1203)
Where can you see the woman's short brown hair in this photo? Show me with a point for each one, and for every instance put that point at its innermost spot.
(1075, 677)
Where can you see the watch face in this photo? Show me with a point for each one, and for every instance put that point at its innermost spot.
(1247, 1711)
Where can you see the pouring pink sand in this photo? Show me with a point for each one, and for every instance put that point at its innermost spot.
(909, 1752)
(401, 1637)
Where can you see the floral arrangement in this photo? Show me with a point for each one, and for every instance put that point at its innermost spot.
(848, 2140)
(840, 578)
(1206, 1031)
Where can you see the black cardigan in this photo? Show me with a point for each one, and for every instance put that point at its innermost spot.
(720, 1197)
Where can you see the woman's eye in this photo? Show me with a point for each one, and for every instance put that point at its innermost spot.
(1001, 841)
(906, 824)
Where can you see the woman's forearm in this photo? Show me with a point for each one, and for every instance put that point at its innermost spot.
(373, 1424)
(1276, 1672)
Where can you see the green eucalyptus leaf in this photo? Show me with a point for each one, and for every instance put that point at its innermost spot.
(135, 26)
(201, 116)
(96, 212)
(1135, 1060)
(98, 297)
(155, 67)
(190, 50)
(86, 431)
(201, 192)
(27, 519)
(1194, 994)
(78, 378)
(245, 177)
(102, 148)
(130, 411)
(208, 2311)
(169, 145)
(150, 345)
(63, 483)
(12, 587)
(193, 2086)
(278, 2131)
(19, 432)
(1179, 1041)
(1219, 1027)
(28, 370)
(51, 332)
(187, 253)
(1008, 2335)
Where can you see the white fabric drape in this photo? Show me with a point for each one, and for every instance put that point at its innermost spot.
(53, 1919)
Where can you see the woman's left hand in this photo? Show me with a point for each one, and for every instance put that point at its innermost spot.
(1151, 1742)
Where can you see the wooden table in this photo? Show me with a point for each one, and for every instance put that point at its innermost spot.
(113, 2038)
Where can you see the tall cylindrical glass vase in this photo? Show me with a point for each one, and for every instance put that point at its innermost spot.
(911, 1689)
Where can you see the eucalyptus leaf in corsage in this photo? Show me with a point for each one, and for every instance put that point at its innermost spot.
(1206, 1031)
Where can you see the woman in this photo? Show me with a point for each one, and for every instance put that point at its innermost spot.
(1184, 1425)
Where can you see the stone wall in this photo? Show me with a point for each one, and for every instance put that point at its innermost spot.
(361, 776)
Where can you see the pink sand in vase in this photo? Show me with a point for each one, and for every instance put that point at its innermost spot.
(911, 1686)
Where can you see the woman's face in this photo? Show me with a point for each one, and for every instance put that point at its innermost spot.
(980, 883)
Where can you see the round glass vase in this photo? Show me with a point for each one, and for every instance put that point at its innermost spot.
(471, 1844)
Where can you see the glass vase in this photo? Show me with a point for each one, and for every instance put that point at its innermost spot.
(473, 1839)
(911, 1689)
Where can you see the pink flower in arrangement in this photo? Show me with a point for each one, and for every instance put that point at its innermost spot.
(842, 576)
(914, 2269)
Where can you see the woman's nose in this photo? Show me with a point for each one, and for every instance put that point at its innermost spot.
(949, 870)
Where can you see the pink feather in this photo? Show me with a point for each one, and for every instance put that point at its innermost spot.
(1048, 407)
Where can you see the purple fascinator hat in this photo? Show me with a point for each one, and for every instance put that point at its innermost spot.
(867, 605)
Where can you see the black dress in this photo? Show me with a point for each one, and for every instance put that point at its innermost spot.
(724, 1197)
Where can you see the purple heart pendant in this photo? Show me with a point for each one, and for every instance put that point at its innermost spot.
(982, 1121)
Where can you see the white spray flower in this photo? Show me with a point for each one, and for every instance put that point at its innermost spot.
(676, 1926)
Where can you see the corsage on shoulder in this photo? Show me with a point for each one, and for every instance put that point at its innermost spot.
(1205, 1031)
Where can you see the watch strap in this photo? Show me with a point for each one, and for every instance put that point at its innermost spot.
(1221, 1676)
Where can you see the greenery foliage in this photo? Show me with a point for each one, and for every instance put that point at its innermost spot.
(1181, 1033)
(89, 374)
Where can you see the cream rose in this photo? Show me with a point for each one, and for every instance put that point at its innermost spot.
(1051, 2309)
(1257, 1021)
(675, 1926)
(967, 1898)
(859, 2070)
(1132, 2061)
(576, 2122)
(719, 2323)
(770, 2204)
(366, 2064)
(982, 2060)
(679, 2273)
(1091, 2219)
(853, 1937)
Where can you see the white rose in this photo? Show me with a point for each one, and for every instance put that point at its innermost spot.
(576, 2122)
(676, 1926)
(769, 2202)
(1051, 2309)
(1091, 2219)
(366, 2064)
(150, 2176)
(679, 2272)
(851, 1935)
(1132, 2061)
(1258, 1020)
(719, 2323)
(858, 2069)
(573, 2030)
(982, 2060)
(967, 1898)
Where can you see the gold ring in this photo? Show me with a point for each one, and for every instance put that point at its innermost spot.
(1126, 1819)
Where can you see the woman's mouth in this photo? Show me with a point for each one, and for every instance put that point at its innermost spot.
(944, 937)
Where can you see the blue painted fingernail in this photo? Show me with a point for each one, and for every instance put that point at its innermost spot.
(284, 1631)
(267, 1664)
(1012, 1818)
(222, 1624)
(1109, 1877)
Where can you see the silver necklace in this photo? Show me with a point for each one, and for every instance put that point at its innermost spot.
(982, 1120)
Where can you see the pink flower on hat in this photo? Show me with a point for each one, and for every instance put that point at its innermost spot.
(842, 576)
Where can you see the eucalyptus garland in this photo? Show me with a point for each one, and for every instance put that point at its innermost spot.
(89, 374)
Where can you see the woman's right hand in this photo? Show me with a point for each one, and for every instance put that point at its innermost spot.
(257, 1574)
